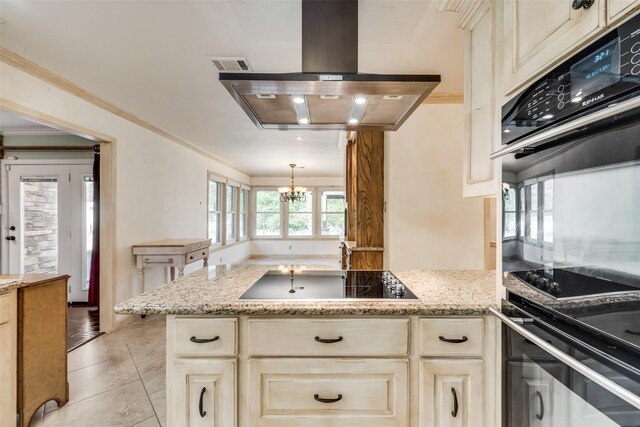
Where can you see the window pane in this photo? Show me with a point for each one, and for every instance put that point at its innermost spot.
(547, 227)
(510, 224)
(302, 206)
(214, 227)
(300, 224)
(267, 201)
(267, 224)
(534, 197)
(244, 197)
(213, 196)
(522, 221)
(243, 225)
(231, 227)
(231, 213)
(510, 200)
(332, 201)
(40, 225)
(548, 195)
(332, 224)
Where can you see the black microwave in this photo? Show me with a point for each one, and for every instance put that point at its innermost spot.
(604, 73)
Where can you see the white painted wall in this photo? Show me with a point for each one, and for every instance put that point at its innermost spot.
(428, 225)
(161, 187)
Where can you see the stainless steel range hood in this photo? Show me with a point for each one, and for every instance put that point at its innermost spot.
(329, 94)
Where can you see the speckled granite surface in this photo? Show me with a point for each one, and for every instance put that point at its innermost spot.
(215, 291)
(573, 306)
(9, 284)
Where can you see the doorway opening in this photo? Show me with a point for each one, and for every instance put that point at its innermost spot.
(49, 223)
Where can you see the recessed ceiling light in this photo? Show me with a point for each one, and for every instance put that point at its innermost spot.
(298, 100)
(304, 121)
(299, 138)
(353, 121)
(361, 100)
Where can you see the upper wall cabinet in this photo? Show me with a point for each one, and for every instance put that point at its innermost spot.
(538, 33)
(617, 10)
(479, 178)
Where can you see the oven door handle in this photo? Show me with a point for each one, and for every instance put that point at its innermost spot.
(599, 379)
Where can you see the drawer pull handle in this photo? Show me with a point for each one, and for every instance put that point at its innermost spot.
(454, 413)
(203, 413)
(328, 340)
(323, 400)
(540, 416)
(629, 331)
(203, 340)
(454, 340)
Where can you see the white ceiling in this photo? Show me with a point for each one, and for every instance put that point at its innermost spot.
(148, 57)
(11, 124)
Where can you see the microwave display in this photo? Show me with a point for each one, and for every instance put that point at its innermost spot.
(596, 71)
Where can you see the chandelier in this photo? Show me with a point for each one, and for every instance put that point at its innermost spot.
(292, 193)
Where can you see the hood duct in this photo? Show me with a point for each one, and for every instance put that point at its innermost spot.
(329, 94)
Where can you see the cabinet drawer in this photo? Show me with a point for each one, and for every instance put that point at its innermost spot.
(452, 337)
(333, 337)
(322, 392)
(158, 260)
(5, 307)
(196, 255)
(204, 337)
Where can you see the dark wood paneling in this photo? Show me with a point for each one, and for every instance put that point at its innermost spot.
(370, 189)
(366, 260)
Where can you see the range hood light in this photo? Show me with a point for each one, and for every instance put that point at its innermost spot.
(353, 121)
(265, 96)
(298, 99)
(361, 100)
(303, 121)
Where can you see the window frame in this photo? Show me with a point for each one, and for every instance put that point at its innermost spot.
(220, 190)
(516, 212)
(313, 212)
(234, 211)
(320, 191)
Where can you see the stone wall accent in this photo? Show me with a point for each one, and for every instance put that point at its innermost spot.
(40, 227)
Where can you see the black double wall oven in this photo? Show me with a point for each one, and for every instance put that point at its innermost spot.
(571, 241)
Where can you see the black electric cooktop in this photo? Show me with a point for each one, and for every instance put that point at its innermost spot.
(328, 285)
(566, 284)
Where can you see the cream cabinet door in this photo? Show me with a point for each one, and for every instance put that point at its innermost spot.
(451, 393)
(204, 394)
(617, 10)
(538, 33)
(479, 177)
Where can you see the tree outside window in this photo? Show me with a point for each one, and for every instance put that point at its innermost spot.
(332, 206)
(301, 217)
(268, 207)
(509, 201)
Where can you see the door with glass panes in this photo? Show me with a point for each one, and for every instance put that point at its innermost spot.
(49, 227)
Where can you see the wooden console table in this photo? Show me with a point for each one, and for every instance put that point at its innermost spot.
(173, 253)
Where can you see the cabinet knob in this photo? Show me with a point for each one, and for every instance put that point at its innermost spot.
(582, 4)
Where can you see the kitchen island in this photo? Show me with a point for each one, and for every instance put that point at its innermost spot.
(230, 362)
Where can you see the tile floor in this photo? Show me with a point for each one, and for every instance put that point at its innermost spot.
(118, 379)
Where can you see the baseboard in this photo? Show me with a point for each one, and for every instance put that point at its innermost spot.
(294, 256)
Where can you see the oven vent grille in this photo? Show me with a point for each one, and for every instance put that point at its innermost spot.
(235, 64)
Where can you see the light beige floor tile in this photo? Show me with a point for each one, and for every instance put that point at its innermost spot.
(151, 422)
(146, 340)
(106, 347)
(121, 407)
(38, 418)
(159, 402)
(153, 373)
(96, 379)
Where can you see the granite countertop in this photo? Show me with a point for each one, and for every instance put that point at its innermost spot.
(9, 282)
(353, 247)
(215, 291)
(583, 305)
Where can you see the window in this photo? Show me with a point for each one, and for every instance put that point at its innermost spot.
(244, 213)
(231, 213)
(332, 206)
(214, 210)
(522, 213)
(268, 213)
(301, 217)
(509, 200)
(533, 211)
(547, 211)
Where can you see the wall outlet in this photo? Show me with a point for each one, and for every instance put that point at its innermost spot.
(220, 260)
(290, 247)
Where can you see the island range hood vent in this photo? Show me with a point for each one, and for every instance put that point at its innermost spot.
(329, 94)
